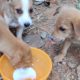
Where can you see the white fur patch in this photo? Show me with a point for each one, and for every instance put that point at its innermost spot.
(22, 74)
(25, 17)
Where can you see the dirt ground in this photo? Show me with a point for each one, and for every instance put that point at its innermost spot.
(43, 23)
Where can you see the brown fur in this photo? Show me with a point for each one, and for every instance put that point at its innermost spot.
(18, 52)
(7, 9)
(68, 19)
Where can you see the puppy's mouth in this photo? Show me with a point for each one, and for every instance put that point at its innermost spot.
(54, 39)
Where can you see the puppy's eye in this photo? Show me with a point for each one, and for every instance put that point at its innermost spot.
(62, 29)
(30, 10)
(19, 11)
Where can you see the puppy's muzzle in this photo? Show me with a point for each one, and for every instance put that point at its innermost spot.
(54, 39)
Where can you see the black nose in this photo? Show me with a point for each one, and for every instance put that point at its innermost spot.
(27, 24)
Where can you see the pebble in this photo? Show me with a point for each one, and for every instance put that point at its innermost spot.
(37, 2)
(43, 35)
(34, 40)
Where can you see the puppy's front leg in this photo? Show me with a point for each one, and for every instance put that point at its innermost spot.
(61, 56)
(14, 60)
(20, 32)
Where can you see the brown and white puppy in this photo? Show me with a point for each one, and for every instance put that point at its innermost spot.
(18, 53)
(17, 13)
(67, 29)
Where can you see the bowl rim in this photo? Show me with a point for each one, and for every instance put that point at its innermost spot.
(49, 59)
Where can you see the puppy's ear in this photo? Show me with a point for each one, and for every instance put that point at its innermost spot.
(76, 27)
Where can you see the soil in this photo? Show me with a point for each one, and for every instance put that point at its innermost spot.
(43, 24)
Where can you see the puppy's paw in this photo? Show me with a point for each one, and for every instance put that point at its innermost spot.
(58, 58)
(15, 60)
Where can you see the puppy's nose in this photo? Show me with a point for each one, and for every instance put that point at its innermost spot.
(50, 37)
(27, 24)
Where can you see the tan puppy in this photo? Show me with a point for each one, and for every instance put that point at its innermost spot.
(67, 29)
(18, 52)
(17, 13)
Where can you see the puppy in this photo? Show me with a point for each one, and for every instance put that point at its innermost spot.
(18, 12)
(18, 53)
(67, 29)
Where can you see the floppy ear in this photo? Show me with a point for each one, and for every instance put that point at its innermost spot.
(76, 26)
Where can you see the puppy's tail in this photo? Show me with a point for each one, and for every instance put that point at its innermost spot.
(24, 73)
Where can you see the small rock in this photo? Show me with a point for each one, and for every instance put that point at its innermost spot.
(78, 72)
(34, 40)
(43, 35)
(38, 2)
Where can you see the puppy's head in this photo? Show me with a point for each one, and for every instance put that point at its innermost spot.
(67, 24)
(7, 12)
(23, 10)
(17, 12)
